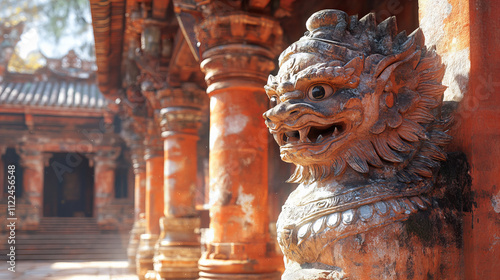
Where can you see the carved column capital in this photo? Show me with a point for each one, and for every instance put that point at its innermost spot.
(31, 158)
(239, 27)
(187, 95)
(238, 50)
(182, 109)
(153, 142)
(107, 157)
(138, 162)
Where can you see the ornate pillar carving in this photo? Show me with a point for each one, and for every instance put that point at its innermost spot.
(139, 228)
(154, 199)
(33, 163)
(139, 165)
(179, 249)
(237, 56)
(104, 185)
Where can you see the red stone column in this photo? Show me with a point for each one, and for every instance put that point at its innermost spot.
(154, 200)
(179, 250)
(139, 227)
(237, 59)
(32, 162)
(466, 36)
(139, 166)
(104, 186)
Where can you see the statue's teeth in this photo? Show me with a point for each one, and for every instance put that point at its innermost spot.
(279, 138)
(335, 131)
(303, 135)
(320, 137)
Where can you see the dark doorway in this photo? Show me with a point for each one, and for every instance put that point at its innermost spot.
(68, 188)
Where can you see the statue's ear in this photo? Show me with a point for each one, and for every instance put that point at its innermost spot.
(398, 70)
(400, 73)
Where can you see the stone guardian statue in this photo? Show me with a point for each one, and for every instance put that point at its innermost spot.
(357, 109)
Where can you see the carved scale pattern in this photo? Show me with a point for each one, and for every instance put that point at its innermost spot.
(305, 230)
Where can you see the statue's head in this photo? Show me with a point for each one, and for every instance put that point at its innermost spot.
(354, 95)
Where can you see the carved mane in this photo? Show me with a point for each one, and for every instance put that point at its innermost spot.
(410, 131)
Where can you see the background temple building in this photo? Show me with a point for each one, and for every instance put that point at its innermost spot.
(71, 164)
(166, 139)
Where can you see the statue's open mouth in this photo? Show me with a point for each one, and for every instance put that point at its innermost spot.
(312, 135)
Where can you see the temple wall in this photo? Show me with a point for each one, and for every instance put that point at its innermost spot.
(466, 35)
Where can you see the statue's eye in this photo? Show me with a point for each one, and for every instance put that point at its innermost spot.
(321, 91)
(274, 100)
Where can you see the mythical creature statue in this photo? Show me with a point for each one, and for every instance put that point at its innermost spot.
(357, 108)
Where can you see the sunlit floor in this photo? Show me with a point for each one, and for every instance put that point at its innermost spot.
(71, 270)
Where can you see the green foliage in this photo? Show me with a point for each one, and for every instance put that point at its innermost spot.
(56, 23)
(28, 65)
(60, 15)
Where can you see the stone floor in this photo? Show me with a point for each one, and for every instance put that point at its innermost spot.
(70, 270)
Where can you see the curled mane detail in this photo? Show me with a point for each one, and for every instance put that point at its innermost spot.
(410, 132)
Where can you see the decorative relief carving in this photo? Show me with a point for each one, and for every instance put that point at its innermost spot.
(181, 109)
(239, 27)
(238, 49)
(226, 65)
(71, 65)
(358, 110)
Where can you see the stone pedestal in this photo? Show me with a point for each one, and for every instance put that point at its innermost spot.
(179, 249)
(237, 59)
(154, 200)
(104, 187)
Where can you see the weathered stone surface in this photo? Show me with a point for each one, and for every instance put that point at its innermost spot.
(445, 25)
(237, 55)
(357, 109)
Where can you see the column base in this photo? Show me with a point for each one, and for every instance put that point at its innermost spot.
(178, 253)
(219, 276)
(177, 262)
(145, 254)
(138, 229)
(240, 261)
